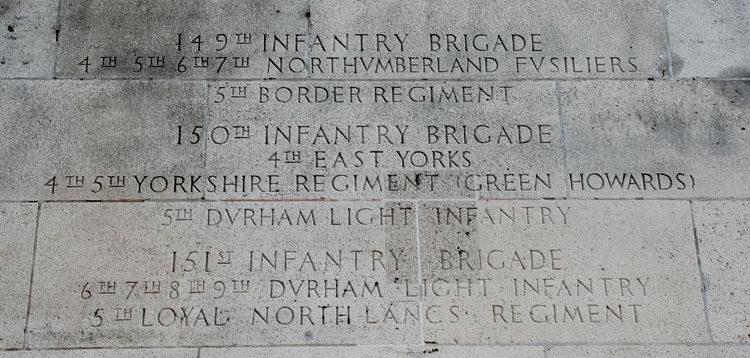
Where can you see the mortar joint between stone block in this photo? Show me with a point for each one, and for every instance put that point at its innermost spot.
(666, 37)
(700, 272)
(419, 268)
(31, 278)
(308, 54)
(58, 30)
(562, 139)
(384, 79)
(205, 137)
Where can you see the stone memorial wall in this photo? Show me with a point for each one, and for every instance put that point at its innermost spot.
(341, 178)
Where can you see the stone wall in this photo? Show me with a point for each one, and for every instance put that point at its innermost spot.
(340, 178)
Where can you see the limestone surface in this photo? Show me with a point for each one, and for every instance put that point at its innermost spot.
(490, 39)
(27, 38)
(190, 274)
(651, 351)
(652, 139)
(177, 39)
(433, 351)
(541, 271)
(722, 231)
(114, 353)
(100, 140)
(362, 178)
(17, 237)
(709, 38)
(384, 140)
